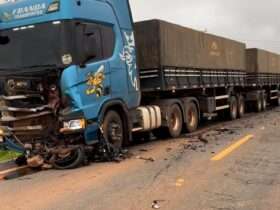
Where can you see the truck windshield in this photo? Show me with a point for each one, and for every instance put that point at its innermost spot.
(47, 44)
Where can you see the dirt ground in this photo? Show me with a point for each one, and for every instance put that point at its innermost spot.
(169, 174)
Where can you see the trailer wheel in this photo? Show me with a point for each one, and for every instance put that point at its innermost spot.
(264, 103)
(192, 118)
(241, 106)
(175, 121)
(113, 130)
(233, 108)
(258, 105)
(278, 101)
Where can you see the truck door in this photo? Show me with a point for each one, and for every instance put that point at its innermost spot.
(94, 72)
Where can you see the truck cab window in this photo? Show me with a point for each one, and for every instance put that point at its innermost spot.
(95, 42)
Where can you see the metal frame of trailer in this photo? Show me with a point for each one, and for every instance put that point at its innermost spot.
(268, 82)
(212, 88)
(172, 78)
(262, 79)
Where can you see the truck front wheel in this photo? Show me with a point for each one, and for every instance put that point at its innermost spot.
(74, 159)
(113, 129)
(192, 118)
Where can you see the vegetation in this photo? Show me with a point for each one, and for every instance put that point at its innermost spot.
(6, 155)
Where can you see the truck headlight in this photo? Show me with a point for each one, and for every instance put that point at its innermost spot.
(54, 7)
(73, 125)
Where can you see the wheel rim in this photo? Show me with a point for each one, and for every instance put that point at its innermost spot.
(264, 104)
(115, 133)
(242, 109)
(234, 110)
(259, 105)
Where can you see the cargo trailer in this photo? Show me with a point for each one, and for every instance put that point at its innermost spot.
(92, 79)
(263, 72)
(178, 62)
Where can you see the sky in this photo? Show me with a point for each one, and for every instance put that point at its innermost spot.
(255, 22)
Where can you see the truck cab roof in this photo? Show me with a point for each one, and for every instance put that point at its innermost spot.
(26, 12)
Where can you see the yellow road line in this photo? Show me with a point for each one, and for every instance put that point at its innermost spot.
(231, 148)
(12, 170)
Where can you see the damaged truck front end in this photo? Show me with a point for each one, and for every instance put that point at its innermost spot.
(68, 79)
(41, 105)
(37, 121)
(29, 108)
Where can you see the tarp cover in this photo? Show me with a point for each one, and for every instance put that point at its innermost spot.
(261, 61)
(161, 43)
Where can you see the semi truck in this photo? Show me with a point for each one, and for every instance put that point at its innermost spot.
(78, 79)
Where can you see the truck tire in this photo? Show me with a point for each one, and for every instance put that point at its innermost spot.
(174, 123)
(241, 106)
(233, 108)
(192, 117)
(75, 159)
(258, 105)
(113, 130)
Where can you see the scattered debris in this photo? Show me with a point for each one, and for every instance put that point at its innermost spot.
(194, 141)
(168, 149)
(35, 161)
(143, 150)
(227, 130)
(203, 138)
(150, 159)
(156, 204)
(46, 166)
(222, 130)
(179, 182)
(190, 147)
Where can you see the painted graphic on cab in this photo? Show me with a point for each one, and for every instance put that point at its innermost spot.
(128, 55)
(28, 11)
(95, 82)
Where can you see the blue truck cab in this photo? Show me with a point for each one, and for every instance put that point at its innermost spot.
(65, 66)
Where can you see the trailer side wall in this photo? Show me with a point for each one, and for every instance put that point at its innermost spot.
(161, 43)
(261, 61)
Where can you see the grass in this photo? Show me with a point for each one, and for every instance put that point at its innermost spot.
(6, 155)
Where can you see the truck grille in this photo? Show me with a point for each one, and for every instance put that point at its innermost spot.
(25, 109)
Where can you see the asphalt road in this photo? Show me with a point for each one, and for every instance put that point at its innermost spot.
(234, 165)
